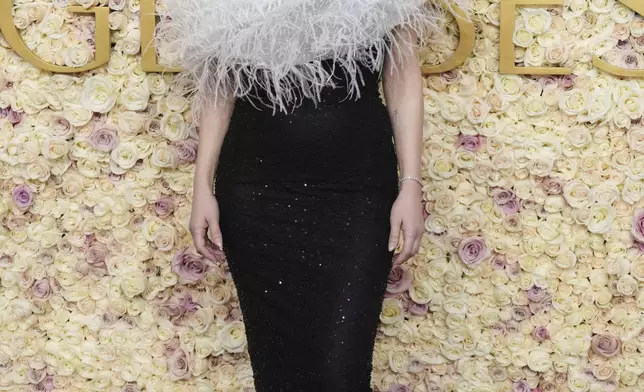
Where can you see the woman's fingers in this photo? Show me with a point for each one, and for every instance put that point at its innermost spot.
(215, 235)
(408, 246)
(394, 233)
(202, 243)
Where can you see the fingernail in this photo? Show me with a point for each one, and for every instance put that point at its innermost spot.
(391, 247)
(219, 245)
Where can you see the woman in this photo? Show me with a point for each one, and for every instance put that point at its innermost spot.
(308, 205)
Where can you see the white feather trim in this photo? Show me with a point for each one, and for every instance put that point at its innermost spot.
(226, 47)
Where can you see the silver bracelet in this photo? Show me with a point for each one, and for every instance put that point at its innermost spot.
(410, 178)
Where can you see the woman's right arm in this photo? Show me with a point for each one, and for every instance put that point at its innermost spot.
(204, 219)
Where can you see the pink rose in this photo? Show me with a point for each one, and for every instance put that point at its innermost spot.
(42, 288)
(605, 345)
(22, 197)
(186, 150)
(546, 81)
(473, 251)
(629, 61)
(103, 137)
(470, 142)
(400, 278)
(512, 270)
(451, 77)
(179, 365)
(190, 267)
(498, 262)
(637, 229)
(567, 82)
(552, 186)
(540, 334)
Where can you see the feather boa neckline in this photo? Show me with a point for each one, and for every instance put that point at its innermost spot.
(227, 47)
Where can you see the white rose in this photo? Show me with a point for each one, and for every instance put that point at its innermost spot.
(605, 194)
(539, 361)
(600, 218)
(577, 194)
(233, 337)
(98, 94)
(135, 98)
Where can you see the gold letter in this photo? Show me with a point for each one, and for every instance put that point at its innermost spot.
(465, 46)
(148, 23)
(102, 39)
(638, 7)
(506, 62)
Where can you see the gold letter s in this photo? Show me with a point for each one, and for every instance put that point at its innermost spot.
(637, 6)
(102, 39)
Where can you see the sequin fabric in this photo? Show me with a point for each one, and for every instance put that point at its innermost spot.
(305, 199)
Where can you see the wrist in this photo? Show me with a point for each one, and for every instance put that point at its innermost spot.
(410, 185)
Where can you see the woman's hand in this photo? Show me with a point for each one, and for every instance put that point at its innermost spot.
(407, 216)
(204, 224)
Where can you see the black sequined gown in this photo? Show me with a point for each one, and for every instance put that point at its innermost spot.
(305, 200)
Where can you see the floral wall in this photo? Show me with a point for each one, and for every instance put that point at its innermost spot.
(530, 276)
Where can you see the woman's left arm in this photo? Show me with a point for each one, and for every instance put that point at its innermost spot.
(403, 90)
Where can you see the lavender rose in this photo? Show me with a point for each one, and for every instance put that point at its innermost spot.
(473, 251)
(14, 117)
(511, 207)
(42, 288)
(502, 196)
(536, 294)
(35, 376)
(48, 383)
(96, 255)
(637, 229)
(22, 197)
(179, 365)
(418, 309)
(399, 388)
(540, 334)
(605, 345)
(186, 150)
(520, 313)
(190, 267)
(400, 278)
(521, 386)
(552, 186)
(103, 138)
(164, 206)
(131, 387)
(470, 143)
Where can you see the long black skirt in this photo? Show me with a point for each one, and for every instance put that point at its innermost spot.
(305, 200)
